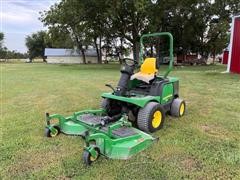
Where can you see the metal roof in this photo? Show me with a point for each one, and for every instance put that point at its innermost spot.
(68, 52)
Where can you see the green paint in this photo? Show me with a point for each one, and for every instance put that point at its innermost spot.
(109, 144)
(167, 93)
(92, 151)
(139, 100)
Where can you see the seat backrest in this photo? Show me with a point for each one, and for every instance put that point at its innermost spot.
(149, 66)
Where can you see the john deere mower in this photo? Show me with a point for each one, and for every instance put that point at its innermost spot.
(129, 114)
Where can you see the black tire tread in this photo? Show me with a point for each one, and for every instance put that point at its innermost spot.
(175, 107)
(143, 116)
(48, 132)
(104, 103)
(86, 158)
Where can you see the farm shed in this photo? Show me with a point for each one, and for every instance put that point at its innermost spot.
(234, 50)
(69, 56)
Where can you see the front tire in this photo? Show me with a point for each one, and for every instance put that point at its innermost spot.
(151, 117)
(178, 107)
(52, 133)
(88, 158)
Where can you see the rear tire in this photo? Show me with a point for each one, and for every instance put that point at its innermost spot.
(151, 117)
(178, 107)
(105, 103)
(112, 107)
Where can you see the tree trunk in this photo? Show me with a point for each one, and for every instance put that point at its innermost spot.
(97, 50)
(151, 50)
(121, 51)
(83, 56)
(100, 50)
(158, 55)
(136, 46)
(44, 59)
(80, 48)
(214, 56)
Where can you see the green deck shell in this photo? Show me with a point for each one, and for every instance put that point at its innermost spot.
(109, 145)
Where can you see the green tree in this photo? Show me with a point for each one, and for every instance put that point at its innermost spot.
(3, 50)
(96, 13)
(1, 39)
(68, 16)
(14, 55)
(55, 38)
(36, 45)
(218, 36)
(198, 26)
(7, 54)
(130, 19)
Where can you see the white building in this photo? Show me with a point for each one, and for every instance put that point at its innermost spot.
(69, 56)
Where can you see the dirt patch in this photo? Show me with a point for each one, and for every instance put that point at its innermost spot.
(191, 164)
(215, 131)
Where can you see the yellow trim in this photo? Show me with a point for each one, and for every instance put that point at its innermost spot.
(157, 119)
(182, 109)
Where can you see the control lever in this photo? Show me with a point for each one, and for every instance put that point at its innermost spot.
(110, 86)
(105, 120)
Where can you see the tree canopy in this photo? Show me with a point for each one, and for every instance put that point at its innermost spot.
(1, 39)
(36, 44)
(198, 26)
(7, 54)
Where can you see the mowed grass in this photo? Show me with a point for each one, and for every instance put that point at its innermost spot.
(204, 144)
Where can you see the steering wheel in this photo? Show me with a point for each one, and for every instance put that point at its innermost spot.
(130, 62)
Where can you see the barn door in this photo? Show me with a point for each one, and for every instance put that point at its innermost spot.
(235, 60)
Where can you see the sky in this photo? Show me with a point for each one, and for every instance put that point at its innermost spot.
(19, 18)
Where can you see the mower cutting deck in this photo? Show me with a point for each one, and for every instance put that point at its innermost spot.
(117, 140)
(142, 99)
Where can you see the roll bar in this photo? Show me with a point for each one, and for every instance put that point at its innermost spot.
(170, 48)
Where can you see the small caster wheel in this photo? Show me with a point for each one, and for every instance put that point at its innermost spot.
(55, 130)
(88, 158)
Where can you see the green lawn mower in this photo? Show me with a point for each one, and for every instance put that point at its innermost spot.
(128, 114)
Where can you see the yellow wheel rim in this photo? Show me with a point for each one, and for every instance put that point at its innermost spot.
(182, 109)
(54, 134)
(93, 158)
(157, 119)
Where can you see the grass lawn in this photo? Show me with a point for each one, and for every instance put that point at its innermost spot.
(204, 144)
